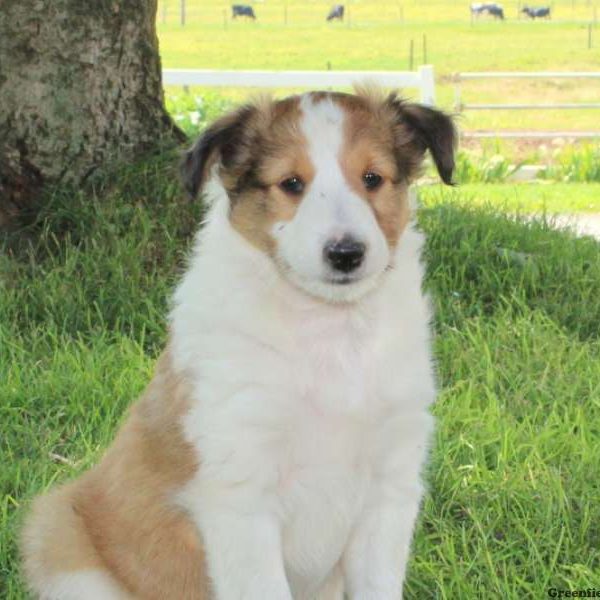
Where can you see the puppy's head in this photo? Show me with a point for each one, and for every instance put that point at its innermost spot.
(319, 182)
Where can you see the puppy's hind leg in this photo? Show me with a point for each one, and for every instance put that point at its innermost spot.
(92, 584)
(60, 560)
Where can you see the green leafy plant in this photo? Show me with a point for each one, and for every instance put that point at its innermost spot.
(574, 164)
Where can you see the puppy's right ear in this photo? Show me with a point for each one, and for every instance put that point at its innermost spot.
(224, 141)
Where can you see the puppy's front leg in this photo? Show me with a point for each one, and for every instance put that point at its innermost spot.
(244, 554)
(375, 560)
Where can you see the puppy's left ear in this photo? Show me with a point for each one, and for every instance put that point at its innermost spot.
(428, 129)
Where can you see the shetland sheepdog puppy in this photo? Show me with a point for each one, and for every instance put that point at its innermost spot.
(276, 454)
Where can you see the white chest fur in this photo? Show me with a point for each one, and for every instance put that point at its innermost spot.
(302, 410)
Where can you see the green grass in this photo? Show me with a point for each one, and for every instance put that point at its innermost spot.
(379, 36)
(513, 505)
(526, 198)
(513, 508)
(83, 297)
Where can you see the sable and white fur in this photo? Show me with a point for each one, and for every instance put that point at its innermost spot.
(277, 452)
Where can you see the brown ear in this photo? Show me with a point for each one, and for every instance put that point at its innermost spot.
(224, 141)
(430, 129)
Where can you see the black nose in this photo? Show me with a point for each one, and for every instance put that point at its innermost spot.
(344, 255)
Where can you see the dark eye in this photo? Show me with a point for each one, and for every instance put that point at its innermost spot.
(292, 185)
(371, 180)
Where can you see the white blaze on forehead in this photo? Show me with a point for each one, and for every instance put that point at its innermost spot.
(329, 198)
(322, 124)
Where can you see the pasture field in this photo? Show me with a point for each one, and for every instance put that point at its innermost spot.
(512, 507)
(378, 35)
(523, 198)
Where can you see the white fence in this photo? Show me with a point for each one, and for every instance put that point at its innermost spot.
(423, 79)
(459, 106)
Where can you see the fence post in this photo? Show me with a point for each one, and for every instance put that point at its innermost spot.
(457, 98)
(427, 78)
(411, 55)
(183, 12)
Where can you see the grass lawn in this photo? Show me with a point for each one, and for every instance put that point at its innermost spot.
(526, 198)
(513, 505)
(378, 37)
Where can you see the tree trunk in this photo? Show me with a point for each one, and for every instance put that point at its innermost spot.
(80, 89)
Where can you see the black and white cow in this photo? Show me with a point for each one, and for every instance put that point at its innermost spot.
(490, 8)
(242, 10)
(336, 12)
(542, 12)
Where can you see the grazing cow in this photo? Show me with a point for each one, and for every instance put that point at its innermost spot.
(537, 13)
(491, 8)
(496, 11)
(243, 10)
(337, 12)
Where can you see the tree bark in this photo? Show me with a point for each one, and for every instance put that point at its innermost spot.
(80, 89)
